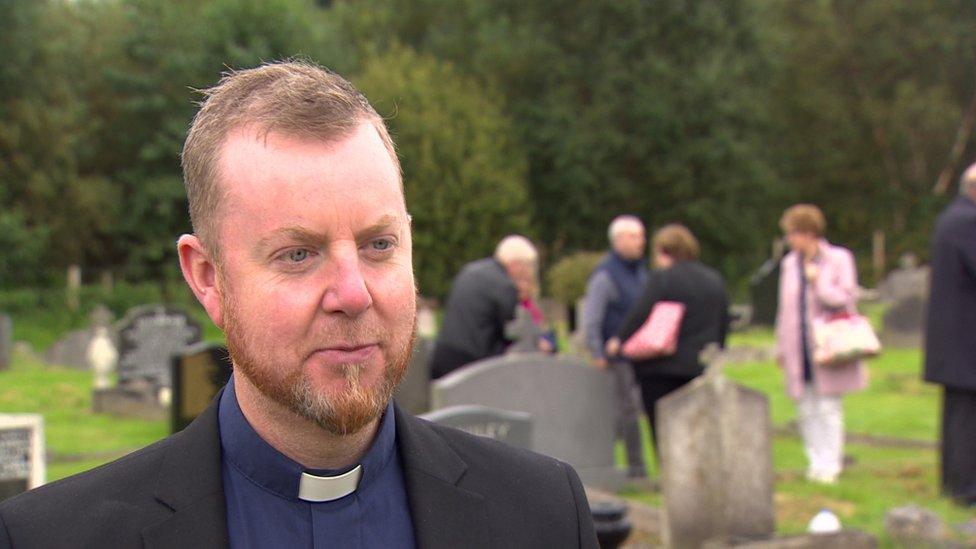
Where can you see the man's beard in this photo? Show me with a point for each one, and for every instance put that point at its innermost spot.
(344, 412)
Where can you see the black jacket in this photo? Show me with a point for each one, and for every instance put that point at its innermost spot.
(950, 335)
(482, 300)
(463, 491)
(706, 320)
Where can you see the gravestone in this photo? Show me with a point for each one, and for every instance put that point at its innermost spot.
(513, 428)
(198, 374)
(524, 332)
(6, 340)
(71, 349)
(21, 453)
(764, 291)
(716, 459)
(413, 393)
(906, 289)
(149, 336)
(573, 406)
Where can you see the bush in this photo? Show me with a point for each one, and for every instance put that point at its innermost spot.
(566, 279)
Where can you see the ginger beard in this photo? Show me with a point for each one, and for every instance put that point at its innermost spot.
(341, 412)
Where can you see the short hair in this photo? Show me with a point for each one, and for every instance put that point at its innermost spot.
(621, 223)
(676, 241)
(804, 218)
(296, 97)
(967, 182)
(515, 248)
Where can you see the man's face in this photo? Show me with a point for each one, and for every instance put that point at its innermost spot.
(316, 282)
(629, 242)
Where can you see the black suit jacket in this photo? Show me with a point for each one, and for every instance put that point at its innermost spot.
(464, 491)
(950, 345)
(706, 320)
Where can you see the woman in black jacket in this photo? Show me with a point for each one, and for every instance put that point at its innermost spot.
(678, 276)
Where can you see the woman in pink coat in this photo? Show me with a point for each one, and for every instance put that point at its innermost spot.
(817, 280)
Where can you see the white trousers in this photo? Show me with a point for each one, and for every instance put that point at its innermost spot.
(821, 420)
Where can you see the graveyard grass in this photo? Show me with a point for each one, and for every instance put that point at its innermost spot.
(893, 432)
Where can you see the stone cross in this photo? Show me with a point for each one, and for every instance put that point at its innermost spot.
(524, 331)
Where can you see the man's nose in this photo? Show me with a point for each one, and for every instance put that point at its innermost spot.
(346, 291)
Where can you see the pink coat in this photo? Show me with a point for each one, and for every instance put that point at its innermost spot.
(834, 290)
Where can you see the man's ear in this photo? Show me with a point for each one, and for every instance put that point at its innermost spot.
(200, 273)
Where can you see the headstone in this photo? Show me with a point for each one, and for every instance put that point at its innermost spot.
(904, 322)
(908, 280)
(716, 459)
(915, 526)
(71, 349)
(198, 373)
(21, 453)
(149, 336)
(6, 340)
(513, 428)
(764, 291)
(573, 406)
(413, 393)
(524, 332)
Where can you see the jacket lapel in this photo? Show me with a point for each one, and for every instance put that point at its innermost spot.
(191, 484)
(444, 514)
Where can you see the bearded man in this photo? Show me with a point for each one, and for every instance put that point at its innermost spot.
(301, 253)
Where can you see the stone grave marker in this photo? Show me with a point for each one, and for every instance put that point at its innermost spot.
(21, 453)
(149, 336)
(716, 460)
(573, 406)
(908, 280)
(513, 428)
(198, 374)
(904, 322)
(413, 393)
(6, 340)
(524, 332)
(71, 349)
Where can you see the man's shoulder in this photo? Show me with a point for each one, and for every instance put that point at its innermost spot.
(111, 494)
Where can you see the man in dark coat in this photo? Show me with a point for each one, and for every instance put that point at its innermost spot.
(483, 299)
(302, 254)
(950, 345)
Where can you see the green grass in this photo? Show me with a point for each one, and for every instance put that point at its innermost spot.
(63, 397)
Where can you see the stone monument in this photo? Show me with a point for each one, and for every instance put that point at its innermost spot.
(716, 459)
(6, 340)
(198, 374)
(21, 453)
(513, 428)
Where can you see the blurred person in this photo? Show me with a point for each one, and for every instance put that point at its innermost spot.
(817, 281)
(611, 292)
(680, 277)
(302, 255)
(950, 345)
(528, 295)
(482, 300)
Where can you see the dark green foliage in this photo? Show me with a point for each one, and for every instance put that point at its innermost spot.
(566, 279)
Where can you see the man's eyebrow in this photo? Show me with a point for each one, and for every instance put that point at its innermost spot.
(384, 222)
(292, 234)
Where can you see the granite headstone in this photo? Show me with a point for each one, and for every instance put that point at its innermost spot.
(716, 460)
(573, 406)
(198, 373)
(21, 453)
(6, 340)
(149, 336)
(513, 428)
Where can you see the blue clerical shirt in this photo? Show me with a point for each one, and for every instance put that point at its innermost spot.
(261, 491)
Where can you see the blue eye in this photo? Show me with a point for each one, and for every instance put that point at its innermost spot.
(382, 245)
(297, 256)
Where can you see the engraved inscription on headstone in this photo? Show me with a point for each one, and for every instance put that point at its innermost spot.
(514, 428)
(21, 453)
(148, 338)
(198, 373)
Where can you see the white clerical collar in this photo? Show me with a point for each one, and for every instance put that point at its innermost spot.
(318, 489)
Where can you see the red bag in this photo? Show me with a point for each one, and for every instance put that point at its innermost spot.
(658, 336)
